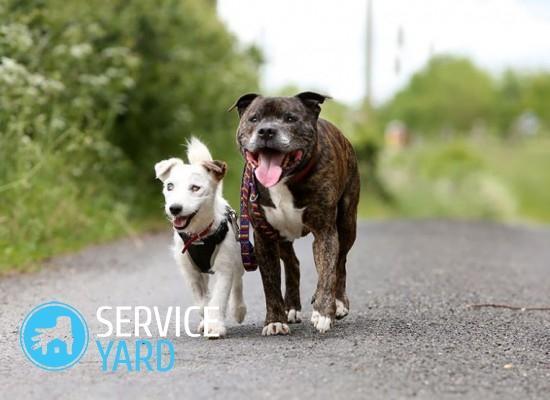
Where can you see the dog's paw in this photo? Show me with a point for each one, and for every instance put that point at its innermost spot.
(341, 310)
(239, 313)
(320, 322)
(294, 316)
(275, 328)
(216, 330)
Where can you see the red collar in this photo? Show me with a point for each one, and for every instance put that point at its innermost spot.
(192, 238)
(304, 172)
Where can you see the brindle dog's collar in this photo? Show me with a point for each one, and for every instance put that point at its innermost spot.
(304, 172)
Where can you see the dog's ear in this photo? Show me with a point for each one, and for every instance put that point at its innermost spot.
(313, 100)
(216, 168)
(162, 168)
(243, 102)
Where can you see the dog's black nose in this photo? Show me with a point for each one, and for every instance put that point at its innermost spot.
(175, 209)
(267, 133)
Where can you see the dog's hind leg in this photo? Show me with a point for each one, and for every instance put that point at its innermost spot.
(236, 300)
(347, 230)
(292, 282)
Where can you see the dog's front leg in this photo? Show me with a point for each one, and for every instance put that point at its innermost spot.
(267, 254)
(218, 302)
(293, 305)
(199, 288)
(325, 253)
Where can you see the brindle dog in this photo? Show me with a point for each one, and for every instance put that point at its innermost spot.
(307, 181)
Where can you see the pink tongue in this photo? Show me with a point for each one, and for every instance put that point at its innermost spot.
(269, 169)
(180, 221)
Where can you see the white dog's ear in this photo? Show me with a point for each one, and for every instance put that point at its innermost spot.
(216, 168)
(162, 168)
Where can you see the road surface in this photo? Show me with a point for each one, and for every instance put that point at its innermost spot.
(409, 333)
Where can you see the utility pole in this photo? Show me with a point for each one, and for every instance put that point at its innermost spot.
(399, 50)
(368, 55)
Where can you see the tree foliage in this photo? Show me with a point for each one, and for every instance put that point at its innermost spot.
(450, 93)
(92, 93)
(192, 71)
(518, 93)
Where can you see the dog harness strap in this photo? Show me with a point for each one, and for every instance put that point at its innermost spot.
(202, 248)
(188, 240)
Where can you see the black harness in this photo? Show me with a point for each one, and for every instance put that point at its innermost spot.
(202, 250)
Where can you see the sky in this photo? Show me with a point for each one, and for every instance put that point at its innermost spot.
(320, 44)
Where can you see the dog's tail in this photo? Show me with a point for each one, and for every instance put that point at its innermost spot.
(197, 152)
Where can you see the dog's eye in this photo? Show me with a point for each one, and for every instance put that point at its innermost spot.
(253, 119)
(170, 186)
(290, 118)
(194, 188)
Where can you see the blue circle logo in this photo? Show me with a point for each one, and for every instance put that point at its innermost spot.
(54, 336)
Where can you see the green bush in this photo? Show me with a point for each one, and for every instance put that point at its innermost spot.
(91, 94)
(448, 179)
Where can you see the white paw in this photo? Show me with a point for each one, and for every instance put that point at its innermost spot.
(215, 330)
(275, 328)
(200, 328)
(321, 323)
(239, 313)
(341, 310)
(294, 316)
(315, 317)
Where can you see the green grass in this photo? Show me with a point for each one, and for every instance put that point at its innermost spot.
(525, 166)
(468, 179)
(31, 238)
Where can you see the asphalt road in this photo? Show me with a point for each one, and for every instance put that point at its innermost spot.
(409, 333)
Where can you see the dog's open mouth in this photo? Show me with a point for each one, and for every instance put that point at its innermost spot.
(270, 165)
(181, 222)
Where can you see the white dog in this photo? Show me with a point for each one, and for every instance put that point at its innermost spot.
(204, 232)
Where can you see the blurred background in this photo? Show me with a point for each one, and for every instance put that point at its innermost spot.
(447, 104)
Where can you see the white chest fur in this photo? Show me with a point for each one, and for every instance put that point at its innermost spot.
(284, 216)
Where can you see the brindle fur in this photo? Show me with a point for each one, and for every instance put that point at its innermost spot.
(329, 195)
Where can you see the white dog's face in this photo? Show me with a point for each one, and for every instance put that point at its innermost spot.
(187, 188)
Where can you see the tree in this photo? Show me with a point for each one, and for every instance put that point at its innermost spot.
(449, 93)
(518, 93)
(192, 70)
(537, 96)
